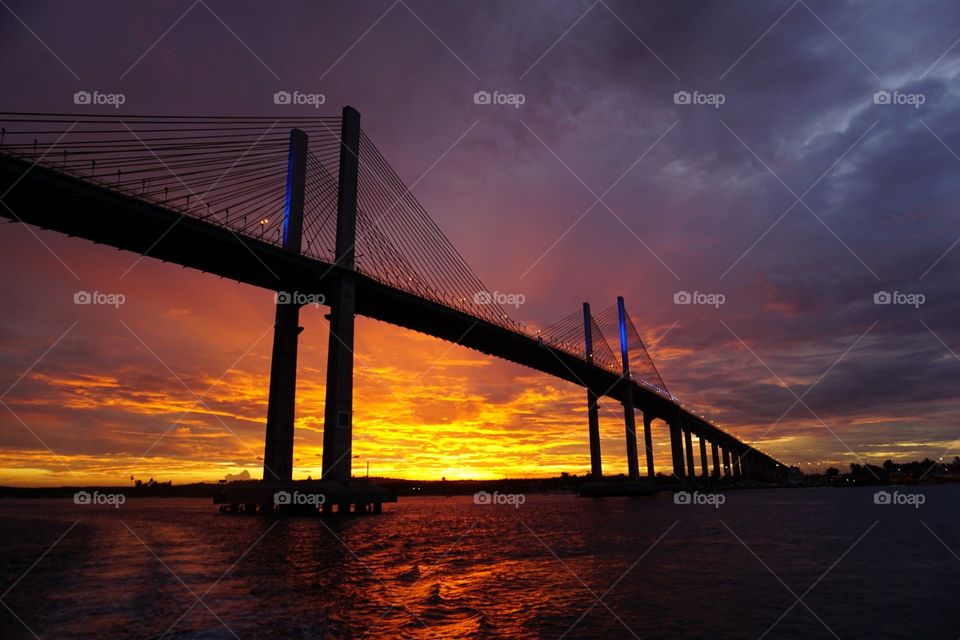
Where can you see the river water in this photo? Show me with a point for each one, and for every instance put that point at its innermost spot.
(776, 563)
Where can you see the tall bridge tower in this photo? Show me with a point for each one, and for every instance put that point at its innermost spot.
(338, 409)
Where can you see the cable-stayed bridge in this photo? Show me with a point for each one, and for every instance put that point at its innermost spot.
(310, 207)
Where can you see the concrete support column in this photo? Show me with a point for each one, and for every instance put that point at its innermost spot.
(726, 462)
(648, 443)
(746, 463)
(716, 459)
(735, 464)
(691, 472)
(703, 461)
(593, 427)
(593, 417)
(630, 426)
(676, 448)
(338, 412)
(281, 402)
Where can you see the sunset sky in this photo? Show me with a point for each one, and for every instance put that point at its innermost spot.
(798, 198)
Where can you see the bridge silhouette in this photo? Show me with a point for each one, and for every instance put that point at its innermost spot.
(309, 207)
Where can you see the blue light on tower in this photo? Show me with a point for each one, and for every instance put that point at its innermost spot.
(289, 195)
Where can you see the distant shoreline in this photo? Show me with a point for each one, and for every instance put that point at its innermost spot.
(567, 484)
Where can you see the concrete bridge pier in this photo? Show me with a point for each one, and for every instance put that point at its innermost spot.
(648, 443)
(737, 470)
(278, 441)
(691, 471)
(593, 419)
(726, 461)
(746, 463)
(705, 471)
(630, 426)
(338, 411)
(676, 448)
(714, 449)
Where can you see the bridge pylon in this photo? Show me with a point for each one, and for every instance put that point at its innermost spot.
(629, 417)
(338, 410)
(593, 417)
(278, 443)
